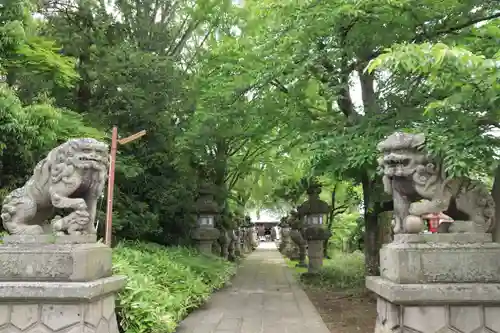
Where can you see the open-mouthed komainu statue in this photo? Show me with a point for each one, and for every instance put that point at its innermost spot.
(71, 177)
(410, 175)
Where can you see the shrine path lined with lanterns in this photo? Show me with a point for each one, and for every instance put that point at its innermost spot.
(264, 298)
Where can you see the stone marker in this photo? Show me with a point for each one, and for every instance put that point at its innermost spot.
(55, 277)
(443, 282)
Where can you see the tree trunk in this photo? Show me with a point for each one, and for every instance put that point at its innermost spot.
(371, 244)
(331, 216)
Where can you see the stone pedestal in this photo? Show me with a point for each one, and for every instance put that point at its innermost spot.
(57, 284)
(204, 238)
(315, 236)
(315, 254)
(439, 283)
(204, 246)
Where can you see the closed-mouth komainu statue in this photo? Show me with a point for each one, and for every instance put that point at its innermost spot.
(71, 177)
(410, 175)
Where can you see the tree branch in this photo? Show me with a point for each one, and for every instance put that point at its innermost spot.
(426, 35)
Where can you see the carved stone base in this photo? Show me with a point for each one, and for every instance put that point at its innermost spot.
(53, 260)
(70, 307)
(204, 246)
(204, 238)
(57, 284)
(316, 236)
(441, 258)
(392, 318)
(436, 308)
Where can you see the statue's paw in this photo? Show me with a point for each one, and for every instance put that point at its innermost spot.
(83, 213)
(82, 206)
(56, 218)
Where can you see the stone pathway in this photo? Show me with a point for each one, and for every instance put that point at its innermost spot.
(263, 298)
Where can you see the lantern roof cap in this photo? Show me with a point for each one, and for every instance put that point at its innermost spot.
(206, 204)
(313, 205)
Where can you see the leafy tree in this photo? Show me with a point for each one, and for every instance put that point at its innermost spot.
(308, 54)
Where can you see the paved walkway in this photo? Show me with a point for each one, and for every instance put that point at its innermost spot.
(263, 298)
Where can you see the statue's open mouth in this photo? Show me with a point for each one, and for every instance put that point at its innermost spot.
(89, 159)
(395, 161)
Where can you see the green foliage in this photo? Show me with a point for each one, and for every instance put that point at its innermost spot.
(256, 99)
(29, 132)
(24, 52)
(345, 229)
(164, 284)
(468, 84)
(343, 271)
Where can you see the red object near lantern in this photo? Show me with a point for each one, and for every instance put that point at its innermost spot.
(433, 222)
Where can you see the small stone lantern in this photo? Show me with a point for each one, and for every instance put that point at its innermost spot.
(207, 209)
(313, 211)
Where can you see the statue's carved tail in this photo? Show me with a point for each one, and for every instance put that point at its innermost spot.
(10, 226)
(13, 227)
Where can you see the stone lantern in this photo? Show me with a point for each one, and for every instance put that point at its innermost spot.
(207, 210)
(313, 212)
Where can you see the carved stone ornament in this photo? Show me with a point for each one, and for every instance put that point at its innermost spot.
(420, 185)
(71, 177)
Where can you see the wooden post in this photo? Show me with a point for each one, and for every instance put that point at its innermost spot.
(111, 185)
(111, 178)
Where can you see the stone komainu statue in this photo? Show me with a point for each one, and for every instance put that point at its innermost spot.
(410, 175)
(71, 177)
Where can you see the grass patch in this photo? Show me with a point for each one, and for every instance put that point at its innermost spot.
(164, 284)
(344, 271)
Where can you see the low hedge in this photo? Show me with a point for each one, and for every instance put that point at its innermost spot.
(344, 271)
(164, 284)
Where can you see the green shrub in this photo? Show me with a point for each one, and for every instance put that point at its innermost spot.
(164, 284)
(342, 271)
